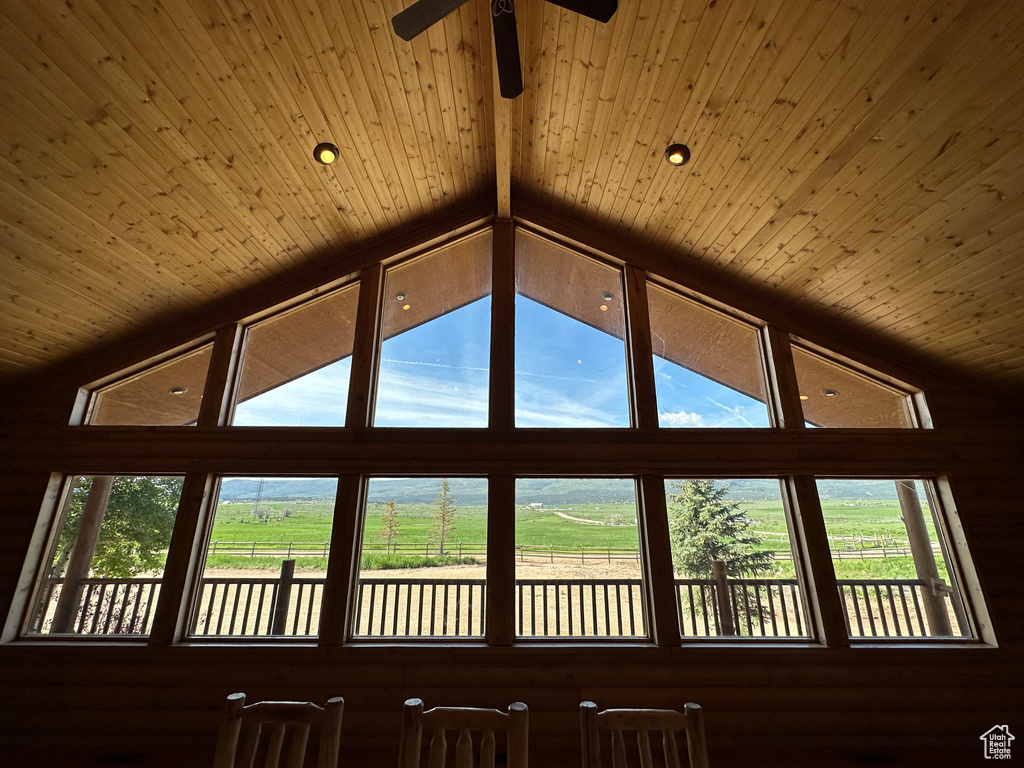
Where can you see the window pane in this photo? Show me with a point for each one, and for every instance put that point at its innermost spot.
(168, 394)
(570, 353)
(578, 559)
(295, 370)
(422, 568)
(835, 396)
(743, 525)
(890, 559)
(107, 558)
(435, 356)
(707, 366)
(266, 560)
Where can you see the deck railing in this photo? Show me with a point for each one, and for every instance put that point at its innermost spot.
(385, 607)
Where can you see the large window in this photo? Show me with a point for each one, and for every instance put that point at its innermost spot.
(892, 559)
(421, 568)
(734, 559)
(105, 562)
(479, 444)
(266, 557)
(578, 559)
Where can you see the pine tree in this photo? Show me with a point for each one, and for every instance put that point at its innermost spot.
(703, 528)
(444, 513)
(390, 528)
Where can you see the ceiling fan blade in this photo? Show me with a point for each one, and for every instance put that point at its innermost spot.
(506, 51)
(600, 10)
(422, 14)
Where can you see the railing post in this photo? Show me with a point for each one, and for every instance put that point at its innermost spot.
(284, 592)
(724, 604)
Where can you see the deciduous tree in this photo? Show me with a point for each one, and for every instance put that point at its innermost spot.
(389, 526)
(136, 528)
(444, 514)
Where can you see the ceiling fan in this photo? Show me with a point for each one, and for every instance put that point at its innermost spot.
(424, 13)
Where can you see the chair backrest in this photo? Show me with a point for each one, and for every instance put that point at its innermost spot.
(246, 725)
(642, 722)
(466, 721)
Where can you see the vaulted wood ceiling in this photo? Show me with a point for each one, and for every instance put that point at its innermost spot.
(861, 162)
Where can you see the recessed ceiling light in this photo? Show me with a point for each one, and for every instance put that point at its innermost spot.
(325, 153)
(829, 392)
(604, 307)
(399, 297)
(178, 390)
(677, 154)
(406, 306)
(608, 296)
(803, 397)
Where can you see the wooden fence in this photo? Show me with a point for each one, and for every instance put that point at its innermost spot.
(524, 552)
(579, 608)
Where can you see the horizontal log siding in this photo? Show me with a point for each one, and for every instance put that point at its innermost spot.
(774, 699)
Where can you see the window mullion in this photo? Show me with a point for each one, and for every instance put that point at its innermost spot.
(501, 560)
(366, 349)
(501, 380)
(659, 576)
(184, 559)
(781, 378)
(343, 562)
(822, 590)
(219, 390)
(638, 343)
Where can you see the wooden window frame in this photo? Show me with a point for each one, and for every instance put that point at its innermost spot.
(501, 452)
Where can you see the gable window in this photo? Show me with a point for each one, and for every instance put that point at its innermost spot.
(707, 365)
(166, 394)
(296, 365)
(570, 353)
(434, 355)
(482, 443)
(834, 395)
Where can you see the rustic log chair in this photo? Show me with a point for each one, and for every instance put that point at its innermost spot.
(278, 715)
(465, 720)
(642, 721)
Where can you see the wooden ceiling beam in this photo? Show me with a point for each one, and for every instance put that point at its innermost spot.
(499, 119)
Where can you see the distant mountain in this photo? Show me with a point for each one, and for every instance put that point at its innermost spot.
(472, 491)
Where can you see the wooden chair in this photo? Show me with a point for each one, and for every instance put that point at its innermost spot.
(642, 721)
(465, 720)
(248, 721)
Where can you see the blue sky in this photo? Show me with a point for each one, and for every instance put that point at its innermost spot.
(567, 375)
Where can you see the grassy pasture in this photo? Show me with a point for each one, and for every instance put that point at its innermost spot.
(309, 522)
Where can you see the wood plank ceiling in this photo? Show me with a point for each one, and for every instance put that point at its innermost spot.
(859, 161)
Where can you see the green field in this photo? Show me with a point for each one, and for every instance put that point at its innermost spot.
(308, 522)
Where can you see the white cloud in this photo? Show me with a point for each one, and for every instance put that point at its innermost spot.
(682, 419)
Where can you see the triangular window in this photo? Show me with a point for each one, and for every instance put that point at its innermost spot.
(834, 395)
(166, 394)
(296, 365)
(707, 365)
